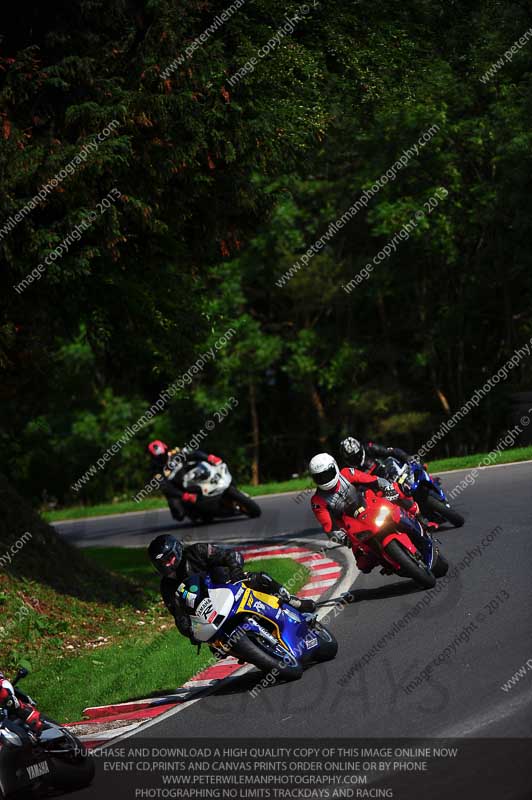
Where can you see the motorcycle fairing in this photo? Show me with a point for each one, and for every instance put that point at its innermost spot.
(212, 479)
(289, 627)
(422, 478)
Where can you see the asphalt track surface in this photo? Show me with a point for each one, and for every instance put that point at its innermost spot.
(462, 698)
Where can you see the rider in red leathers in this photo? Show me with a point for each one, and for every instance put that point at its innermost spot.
(340, 494)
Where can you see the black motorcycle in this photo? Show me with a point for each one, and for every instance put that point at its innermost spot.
(51, 759)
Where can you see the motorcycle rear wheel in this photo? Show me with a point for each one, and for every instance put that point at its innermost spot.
(257, 655)
(410, 568)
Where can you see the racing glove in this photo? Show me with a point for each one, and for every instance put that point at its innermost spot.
(339, 537)
(184, 626)
(303, 604)
(391, 493)
(31, 717)
(188, 497)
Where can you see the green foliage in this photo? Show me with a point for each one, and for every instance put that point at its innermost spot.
(223, 189)
(145, 652)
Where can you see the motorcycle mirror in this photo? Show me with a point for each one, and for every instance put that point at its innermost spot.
(21, 673)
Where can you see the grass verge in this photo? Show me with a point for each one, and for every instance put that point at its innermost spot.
(294, 485)
(137, 653)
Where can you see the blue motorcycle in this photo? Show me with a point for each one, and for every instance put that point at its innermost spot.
(235, 620)
(414, 480)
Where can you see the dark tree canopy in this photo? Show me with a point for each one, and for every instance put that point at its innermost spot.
(223, 187)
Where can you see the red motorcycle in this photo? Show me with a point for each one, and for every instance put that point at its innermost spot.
(378, 527)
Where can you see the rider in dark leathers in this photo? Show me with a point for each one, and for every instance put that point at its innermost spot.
(365, 456)
(169, 466)
(176, 562)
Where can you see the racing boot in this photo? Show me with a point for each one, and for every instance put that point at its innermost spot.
(429, 526)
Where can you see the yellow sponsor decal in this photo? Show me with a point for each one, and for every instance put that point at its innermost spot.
(267, 599)
(246, 604)
(243, 601)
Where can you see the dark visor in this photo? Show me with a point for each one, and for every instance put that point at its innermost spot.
(325, 476)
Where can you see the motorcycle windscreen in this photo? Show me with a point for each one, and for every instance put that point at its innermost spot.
(220, 479)
(212, 480)
(211, 613)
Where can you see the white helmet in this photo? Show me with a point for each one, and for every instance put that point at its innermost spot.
(324, 471)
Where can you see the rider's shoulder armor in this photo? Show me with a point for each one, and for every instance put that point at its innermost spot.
(342, 500)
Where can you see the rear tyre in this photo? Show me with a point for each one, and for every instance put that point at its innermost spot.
(436, 506)
(245, 503)
(410, 567)
(260, 657)
(328, 646)
(440, 566)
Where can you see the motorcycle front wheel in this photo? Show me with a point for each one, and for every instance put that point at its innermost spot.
(440, 567)
(410, 567)
(244, 502)
(73, 770)
(259, 653)
(71, 774)
(435, 506)
(328, 646)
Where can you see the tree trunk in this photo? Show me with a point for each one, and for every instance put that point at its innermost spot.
(255, 434)
(386, 335)
(320, 411)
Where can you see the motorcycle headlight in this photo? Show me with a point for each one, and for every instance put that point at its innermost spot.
(381, 516)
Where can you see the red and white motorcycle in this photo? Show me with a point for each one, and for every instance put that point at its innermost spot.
(217, 494)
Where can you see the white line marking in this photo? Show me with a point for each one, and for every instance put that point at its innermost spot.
(319, 584)
(494, 715)
(490, 466)
(326, 570)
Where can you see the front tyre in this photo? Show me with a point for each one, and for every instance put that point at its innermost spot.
(410, 567)
(244, 502)
(259, 653)
(69, 774)
(435, 506)
(440, 566)
(328, 646)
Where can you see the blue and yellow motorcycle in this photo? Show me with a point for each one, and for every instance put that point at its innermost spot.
(255, 627)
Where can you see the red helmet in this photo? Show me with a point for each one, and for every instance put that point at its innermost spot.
(158, 448)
